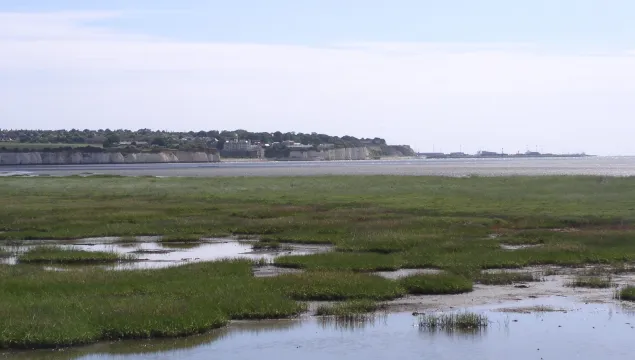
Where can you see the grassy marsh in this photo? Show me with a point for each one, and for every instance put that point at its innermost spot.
(374, 222)
(48, 309)
(336, 286)
(436, 284)
(58, 255)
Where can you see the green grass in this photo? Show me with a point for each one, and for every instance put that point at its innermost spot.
(592, 282)
(47, 309)
(336, 286)
(453, 322)
(506, 278)
(349, 308)
(57, 255)
(627, 293)
(374, 222)
(436, 284)
(362, 262)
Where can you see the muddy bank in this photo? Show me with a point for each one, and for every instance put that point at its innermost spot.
(552, 286)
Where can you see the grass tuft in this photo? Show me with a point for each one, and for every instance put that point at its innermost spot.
(436, 284)
(348, 308)
(593, 282)
(627, 293)
(506, 278)
(57, 255)
(453, 322)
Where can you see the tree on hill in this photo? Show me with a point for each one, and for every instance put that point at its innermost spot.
(111, 140)
(159, 141)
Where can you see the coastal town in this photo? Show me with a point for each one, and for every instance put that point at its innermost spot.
(237, 144)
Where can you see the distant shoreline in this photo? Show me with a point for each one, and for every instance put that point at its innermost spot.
(387, 158)
(518, 156)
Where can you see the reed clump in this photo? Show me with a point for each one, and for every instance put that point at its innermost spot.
(59, 255)
(465, 321)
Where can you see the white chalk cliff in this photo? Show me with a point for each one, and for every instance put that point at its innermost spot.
(358, 153)
(79, 157)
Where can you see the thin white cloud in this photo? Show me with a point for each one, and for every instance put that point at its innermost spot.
(60, 26)
(470, 94)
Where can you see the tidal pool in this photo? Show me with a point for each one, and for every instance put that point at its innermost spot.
(575, 331)
(153, 254)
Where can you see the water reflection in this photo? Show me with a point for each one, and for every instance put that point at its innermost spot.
(185, 245)
(173, 346)
(151, 255)
(583, 331)
(352, 322)
(457, 334)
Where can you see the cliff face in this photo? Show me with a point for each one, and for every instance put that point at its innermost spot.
(77, 157)
(397, 150)
(357, 153)
(360, 153)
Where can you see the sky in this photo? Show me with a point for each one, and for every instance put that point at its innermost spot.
(453, 75)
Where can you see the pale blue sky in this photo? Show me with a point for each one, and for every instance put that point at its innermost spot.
(592, 23)
(459, 74)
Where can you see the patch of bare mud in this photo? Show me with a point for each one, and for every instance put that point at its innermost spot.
(401, 273)
(519, 247)
(530, 309)
(554, 285)
(565, 230)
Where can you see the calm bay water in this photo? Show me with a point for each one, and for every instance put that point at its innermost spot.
(602, 166)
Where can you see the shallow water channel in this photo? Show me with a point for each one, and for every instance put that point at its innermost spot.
(516, 330)
(156, 254)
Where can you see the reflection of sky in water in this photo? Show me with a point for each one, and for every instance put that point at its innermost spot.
(157, 255)
(591, 331)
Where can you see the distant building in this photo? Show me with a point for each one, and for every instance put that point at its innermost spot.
(238, 145)
(296, 146)
(458, 154)
(487, 153)
(326, 146)
(242, 149)
(431, 154)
